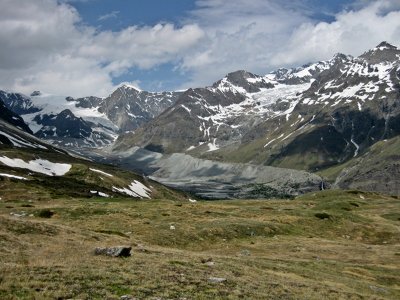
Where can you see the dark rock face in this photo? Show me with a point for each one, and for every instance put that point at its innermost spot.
(240, 79)
(384, 52)
(35, 93)
(88, 102)
(12, 118)
(120, 251)
(65, 124)
(129, 108)
(125, 109)
(18, 103)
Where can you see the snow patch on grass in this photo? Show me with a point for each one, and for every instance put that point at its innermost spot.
(38, 165)
(135, 189)
(13, 176)
(101, 194)
(101, 172)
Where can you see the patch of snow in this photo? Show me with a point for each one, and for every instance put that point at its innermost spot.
(135, 189)
(357, 147)
(101, 194)
(38, 165)
(13, 176)
(101, 172)
(186, 108)
(274, 140)
(212, 146)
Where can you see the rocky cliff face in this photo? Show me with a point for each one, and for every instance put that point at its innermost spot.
(129, 108)
(12, 118)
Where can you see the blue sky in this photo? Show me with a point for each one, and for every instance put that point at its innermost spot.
(118, 14)
(88, 47)
(132, 12)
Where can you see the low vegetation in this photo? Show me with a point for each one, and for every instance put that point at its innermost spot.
(326, 245)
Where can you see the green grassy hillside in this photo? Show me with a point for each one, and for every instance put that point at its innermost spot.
(83, 178)
(326, 245)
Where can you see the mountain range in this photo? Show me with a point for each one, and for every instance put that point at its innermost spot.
(331, 123)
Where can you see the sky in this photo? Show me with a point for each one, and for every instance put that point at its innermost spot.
(89, 47)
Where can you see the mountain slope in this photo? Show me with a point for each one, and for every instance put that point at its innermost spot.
(206, 119)
(347, 109)
(88, 121)
(312, 118)
(129, 108)
(40, 169)
(378, 169)
(12, 118)
(339, 108)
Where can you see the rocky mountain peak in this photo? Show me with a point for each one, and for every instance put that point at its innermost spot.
(250, 82)
(12, 118)
(385, 45)
(18, 103)
(237, 76)
(126, 86)
(66, 113)
(384, 52)
(36, 93)
(341, 57)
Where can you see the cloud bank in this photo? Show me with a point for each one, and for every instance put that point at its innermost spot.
(269, 34)
(46, 46)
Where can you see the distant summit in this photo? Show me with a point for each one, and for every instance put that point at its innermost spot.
(36, 93)
(385, 45)
(381, 53)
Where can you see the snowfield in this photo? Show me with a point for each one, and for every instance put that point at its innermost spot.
(38, 165)
(135, 189)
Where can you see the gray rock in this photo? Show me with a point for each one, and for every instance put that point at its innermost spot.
(119, 251)
(216, 279)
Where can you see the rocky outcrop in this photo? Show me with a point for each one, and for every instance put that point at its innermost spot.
(120, 251)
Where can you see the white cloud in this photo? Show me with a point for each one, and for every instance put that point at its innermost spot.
(353, 32)
(111, 15)
(45, 47)
(262, 35)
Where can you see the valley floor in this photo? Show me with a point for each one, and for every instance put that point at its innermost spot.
(327, 245)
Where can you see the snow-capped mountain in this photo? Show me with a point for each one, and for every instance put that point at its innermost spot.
(15, 133)
(129, 108)
(206, 119)
(309, 118)
(88, 121)
(8, 116)
(317, 117)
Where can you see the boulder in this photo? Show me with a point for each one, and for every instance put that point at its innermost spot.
(119, 251)
(216, 279)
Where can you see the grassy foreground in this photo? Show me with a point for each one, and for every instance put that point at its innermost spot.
(327, 245)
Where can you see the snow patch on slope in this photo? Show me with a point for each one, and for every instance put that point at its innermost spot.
(135, 189)
(38, 165)
(13, 176)
(101, 172)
